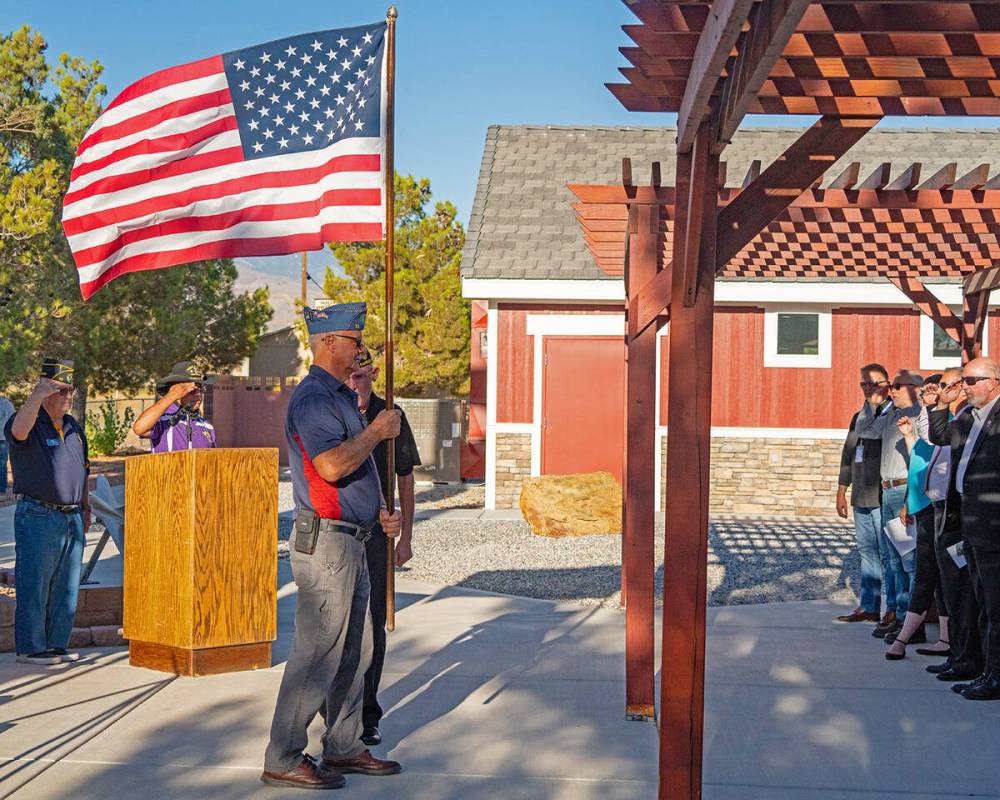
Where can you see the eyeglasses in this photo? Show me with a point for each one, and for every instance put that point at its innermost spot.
(358, 343)
(872, 384)
(972, 380)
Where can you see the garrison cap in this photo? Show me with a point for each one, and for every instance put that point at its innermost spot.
(343, 317)
(365, 359)
(58, 369)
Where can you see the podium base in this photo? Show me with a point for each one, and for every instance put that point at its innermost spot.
(206, 661)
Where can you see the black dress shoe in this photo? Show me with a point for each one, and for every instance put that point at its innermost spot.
(371, 736)
(953, 674)
(944, 666)
(958, 688)
(989, 689)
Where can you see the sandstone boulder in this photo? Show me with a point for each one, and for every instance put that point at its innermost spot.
(572, 505)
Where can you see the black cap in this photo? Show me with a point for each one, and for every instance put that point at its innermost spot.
(58, 369)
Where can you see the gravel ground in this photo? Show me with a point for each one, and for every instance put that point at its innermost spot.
(761, 560)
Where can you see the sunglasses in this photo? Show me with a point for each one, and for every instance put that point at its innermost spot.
(972, 380)
(358, 343)
(872, 384)
(897, 386)
(946, 386)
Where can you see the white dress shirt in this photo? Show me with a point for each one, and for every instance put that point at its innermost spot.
(979, 417)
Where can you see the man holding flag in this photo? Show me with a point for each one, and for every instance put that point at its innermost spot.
(270, 150)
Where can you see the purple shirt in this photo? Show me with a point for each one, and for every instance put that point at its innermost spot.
(175, 431)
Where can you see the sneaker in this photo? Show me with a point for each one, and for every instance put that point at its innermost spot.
(371, 736)
(45, 659)
(64, 654)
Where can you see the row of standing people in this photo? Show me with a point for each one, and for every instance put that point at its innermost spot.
(924, 454)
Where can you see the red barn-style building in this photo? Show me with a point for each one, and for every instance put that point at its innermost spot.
(548, 324)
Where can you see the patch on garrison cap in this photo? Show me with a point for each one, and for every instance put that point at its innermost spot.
(343, 317)
(58, 369)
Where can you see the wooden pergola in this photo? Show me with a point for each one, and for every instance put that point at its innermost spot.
(712, 63)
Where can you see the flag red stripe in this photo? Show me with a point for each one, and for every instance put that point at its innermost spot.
(232, 248)
(362, 162)
(169, 77)
(146, 120)
(184, 166)
(218, 222)
(162, 144)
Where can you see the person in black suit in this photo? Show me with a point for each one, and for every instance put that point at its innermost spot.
(974, 439)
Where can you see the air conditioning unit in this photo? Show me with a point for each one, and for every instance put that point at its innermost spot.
(439, 427)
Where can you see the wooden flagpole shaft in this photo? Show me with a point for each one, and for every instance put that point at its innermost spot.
(390, 311)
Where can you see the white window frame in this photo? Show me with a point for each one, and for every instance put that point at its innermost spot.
(930, 362)
(822, 359)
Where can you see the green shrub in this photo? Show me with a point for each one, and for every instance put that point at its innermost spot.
(107, 429)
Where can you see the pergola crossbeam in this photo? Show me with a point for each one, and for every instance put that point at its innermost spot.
(907, 180)
(975, 178)
(715, 42)
(772, 24)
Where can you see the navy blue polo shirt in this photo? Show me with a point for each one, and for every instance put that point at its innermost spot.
(48, 466)
(323, 414)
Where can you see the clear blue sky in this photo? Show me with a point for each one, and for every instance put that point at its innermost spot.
(461, 66)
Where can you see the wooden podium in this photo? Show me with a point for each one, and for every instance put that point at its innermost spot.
(201, 530)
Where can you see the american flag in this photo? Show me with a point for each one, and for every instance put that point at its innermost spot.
(273, 149)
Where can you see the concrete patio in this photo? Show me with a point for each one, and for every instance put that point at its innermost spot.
(495, 696)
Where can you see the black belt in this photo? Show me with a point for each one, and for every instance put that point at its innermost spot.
(65, 509)
(358, 532)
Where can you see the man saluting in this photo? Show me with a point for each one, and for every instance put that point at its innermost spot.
(174, 421)
(338, 501)
(48, 452)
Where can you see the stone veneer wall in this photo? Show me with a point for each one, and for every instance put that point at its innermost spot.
(513, 464)
(749, 476)
(772, 476)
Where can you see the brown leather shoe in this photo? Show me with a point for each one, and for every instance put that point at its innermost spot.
(859, 615)
(364, 763)
(305, 776)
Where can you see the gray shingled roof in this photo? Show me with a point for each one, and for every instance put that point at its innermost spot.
(522, 224)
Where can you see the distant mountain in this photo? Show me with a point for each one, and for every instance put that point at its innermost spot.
(284, 289)
(281, 274)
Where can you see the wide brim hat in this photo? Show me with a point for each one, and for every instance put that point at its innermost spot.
(183, 372)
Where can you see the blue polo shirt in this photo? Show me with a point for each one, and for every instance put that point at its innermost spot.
(323, 414)
(48, 466)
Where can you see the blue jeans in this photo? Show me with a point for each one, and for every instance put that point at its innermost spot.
(48, 547)
(867, 526)
(3, 465)
(900, 567)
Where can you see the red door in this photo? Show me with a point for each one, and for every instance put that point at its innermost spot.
(583, 404)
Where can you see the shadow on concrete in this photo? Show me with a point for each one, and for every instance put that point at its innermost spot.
(776, 561)
(560, 583)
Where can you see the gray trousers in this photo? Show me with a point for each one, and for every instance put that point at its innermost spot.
(325, 673)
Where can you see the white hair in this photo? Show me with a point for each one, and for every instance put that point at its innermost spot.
(316, 340)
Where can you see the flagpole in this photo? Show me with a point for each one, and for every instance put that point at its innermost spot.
(390, 311)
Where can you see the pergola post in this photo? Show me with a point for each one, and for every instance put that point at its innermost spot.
(682, 687)
(638, 513)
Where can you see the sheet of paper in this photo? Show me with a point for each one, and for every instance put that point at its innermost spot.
(903, 537)
(957, 554)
